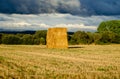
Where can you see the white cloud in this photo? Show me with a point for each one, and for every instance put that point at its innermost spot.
(45, 21)
(76, 27)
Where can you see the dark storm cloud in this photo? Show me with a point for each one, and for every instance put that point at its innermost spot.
(75, 7)
(39, 6)
(102, 7)
(23, 6)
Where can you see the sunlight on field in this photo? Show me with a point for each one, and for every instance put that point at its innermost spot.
(77, 62)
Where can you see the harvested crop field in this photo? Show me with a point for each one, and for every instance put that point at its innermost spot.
(77, 62)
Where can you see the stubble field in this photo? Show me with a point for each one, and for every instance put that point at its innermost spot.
(77, 62)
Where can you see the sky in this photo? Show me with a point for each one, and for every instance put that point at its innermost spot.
(85, 15)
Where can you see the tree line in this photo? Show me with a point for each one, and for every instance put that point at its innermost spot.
(108, 32)
(26, 39)
(81, 37)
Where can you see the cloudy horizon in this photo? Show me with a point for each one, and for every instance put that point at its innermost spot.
(42, 14)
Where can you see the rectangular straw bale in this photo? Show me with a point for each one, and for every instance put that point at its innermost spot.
(57, 38)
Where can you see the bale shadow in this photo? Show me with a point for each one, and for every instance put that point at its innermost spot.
(75, 47)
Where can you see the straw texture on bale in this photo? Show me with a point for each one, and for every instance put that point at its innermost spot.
(57, 38)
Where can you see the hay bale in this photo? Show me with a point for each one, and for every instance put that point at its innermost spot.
(57, 38)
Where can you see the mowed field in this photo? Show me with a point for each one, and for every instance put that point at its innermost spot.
(77, 62)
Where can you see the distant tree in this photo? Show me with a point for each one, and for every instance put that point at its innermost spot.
(111, 26)
(19, 35)
(11, 39)
(116, 39)
(105, 37)
(90, 39)
(110, 31)
(97, 37)
(36, 41)
(27, 39)
(40, 37)
(42, 41)
(80, 37)
(0, 38)
(69, 37)
(41, 33)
